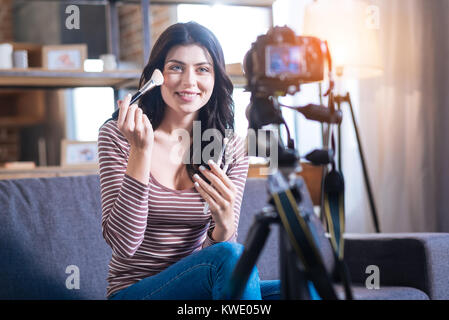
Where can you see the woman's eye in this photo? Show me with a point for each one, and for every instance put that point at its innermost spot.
(175, 68)
(203, 69)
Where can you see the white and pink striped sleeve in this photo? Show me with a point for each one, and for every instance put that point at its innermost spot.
(124, 200)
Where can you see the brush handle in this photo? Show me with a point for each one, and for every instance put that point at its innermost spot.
(147, 87)
(135, 97)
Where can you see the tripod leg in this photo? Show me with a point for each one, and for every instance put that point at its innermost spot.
(254, 244)
(293, 280)
(365, 171)
(339, 139)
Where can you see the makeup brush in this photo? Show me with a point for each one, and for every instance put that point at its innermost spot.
(156, 80)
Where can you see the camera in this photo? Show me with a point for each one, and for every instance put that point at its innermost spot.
(280, 61)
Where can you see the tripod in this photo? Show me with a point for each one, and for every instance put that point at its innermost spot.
(294, 273)
(302, 234)
(339, 100)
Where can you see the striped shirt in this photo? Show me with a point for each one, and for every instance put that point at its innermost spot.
(149, 227)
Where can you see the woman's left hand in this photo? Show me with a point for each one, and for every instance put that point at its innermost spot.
(220, 195)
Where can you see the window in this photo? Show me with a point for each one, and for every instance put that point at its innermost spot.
(91, 107)
(228, 21)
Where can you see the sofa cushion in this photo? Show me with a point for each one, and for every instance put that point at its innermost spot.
(416, 260)
(383, 293)
(49, 226)
(255, 197)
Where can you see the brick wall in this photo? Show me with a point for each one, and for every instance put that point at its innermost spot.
(6, 23)
(130, 19)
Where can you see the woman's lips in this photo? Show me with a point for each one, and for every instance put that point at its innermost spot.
(187, 96)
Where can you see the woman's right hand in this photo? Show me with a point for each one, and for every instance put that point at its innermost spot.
(135, 125)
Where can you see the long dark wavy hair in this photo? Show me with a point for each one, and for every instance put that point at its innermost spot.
(218, 113)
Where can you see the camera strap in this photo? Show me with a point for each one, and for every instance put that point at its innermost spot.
(302, 235)
(334, 211)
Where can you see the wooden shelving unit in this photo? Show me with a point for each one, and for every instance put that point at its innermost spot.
(51, 79)
(37, 78)
(25, 93)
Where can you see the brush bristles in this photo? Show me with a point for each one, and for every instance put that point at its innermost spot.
(156, 80)
(157, 77)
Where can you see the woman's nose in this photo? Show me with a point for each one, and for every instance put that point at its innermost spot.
(189, 77)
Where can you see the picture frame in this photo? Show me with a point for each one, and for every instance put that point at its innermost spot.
(64, 57)
(79, 154)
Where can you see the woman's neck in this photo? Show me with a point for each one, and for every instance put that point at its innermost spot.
(174, 121)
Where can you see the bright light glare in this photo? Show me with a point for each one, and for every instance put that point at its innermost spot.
(241, 101)
(93, 65)
(92, 107)
(236, 27)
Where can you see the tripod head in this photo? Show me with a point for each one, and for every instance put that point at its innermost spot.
(265, 110)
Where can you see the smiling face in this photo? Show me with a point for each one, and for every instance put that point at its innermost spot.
(188, 78)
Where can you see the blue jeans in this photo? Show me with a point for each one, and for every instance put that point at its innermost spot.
(203, 275)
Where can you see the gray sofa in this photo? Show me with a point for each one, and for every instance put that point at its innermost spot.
(50, 234)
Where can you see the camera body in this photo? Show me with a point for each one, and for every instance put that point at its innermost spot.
(277, 64)
(279, 61)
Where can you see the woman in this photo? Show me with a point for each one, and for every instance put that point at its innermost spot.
(164, 246)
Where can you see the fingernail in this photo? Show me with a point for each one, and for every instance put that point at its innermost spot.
(129, 95)
(196, 184)
(211, 162)
(202, 168)
(195, 176)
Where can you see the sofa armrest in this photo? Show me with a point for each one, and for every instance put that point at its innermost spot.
(418, 260)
